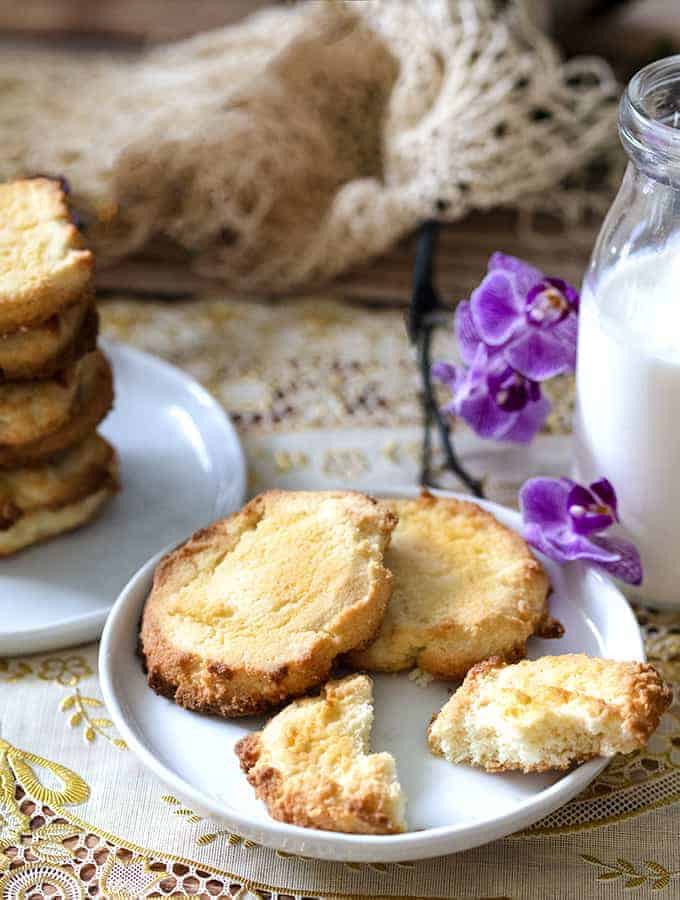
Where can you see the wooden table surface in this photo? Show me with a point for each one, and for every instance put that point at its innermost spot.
(463, 251)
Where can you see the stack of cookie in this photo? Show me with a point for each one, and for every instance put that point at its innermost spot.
(55, 385)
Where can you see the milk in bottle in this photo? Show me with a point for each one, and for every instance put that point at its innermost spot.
(627, 426)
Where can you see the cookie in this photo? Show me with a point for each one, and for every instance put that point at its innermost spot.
(47, 522)
(254, 609)
(43, 266)
(93, 400)
(549, 713)
(29, 410)
(465, 588)
(69, 477)
(311, 764)
(49, 347)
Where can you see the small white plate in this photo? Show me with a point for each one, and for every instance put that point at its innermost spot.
(181, 467)
(449, 808)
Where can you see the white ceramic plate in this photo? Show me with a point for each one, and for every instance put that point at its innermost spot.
(450, 808)
(181, 467)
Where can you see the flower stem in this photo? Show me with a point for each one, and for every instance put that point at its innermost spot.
(432, 412)
(420, 323)
(426, 450)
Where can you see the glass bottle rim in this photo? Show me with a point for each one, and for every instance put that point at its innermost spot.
(649, 119)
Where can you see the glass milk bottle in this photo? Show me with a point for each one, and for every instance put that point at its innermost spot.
(627, 425)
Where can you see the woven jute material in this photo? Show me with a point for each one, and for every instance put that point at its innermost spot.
(290, 147)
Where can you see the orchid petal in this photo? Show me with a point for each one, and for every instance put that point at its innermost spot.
(529, 422)
(510, 391)
(604, 489)
(539, 355)
(479, 366)
(591, 524)
(579, 496)
(579, 546)
(554, 526)
(585, 511)
(566, 333)
(483, 415)
(628, 566)
(535, 537)
(563, 547)
(466, 333)
(543, 502)
(496, 308)
(526, 275)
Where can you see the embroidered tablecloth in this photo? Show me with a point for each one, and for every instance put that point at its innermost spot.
(324, 393)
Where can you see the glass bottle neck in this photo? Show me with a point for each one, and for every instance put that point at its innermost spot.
(649, 121)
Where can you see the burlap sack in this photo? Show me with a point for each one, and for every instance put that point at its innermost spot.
(305, 140)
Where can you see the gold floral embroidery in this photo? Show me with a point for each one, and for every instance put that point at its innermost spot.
(128, 879)
(92, 727)
(398, 452)
(285, 461)
(45, 846)
(48, 842)
(188, 814)
(12, 670)
(18, 766)
(234, 839)
(65, 670)
(13, 823)
(651, 873)
(204, 839)
(346, 463)
(31, 880)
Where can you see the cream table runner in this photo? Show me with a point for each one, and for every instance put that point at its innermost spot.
(324, 394)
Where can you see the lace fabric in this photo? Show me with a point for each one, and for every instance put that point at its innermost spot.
(288, 148)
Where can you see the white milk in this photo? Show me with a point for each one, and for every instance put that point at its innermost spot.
(628, 407)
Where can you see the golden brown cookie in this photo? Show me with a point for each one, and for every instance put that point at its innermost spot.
(312, 766)
(29, 410)
(46, 522)
(93, 400)
(255, 609)
(549, 713)
(68, 477)
(44, 349)
(43, 266)
(465, 587)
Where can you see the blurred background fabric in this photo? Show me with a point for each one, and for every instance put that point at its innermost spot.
(289, 147)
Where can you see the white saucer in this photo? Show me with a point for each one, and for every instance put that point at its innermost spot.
(450, 808)
(181, 467)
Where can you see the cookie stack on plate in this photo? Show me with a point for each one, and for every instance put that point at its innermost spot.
(55, 385)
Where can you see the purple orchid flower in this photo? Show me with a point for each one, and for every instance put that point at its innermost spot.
(520, 312)
(497, 402)
(564, 520)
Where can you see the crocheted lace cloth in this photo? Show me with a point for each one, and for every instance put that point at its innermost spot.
(305, 140)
